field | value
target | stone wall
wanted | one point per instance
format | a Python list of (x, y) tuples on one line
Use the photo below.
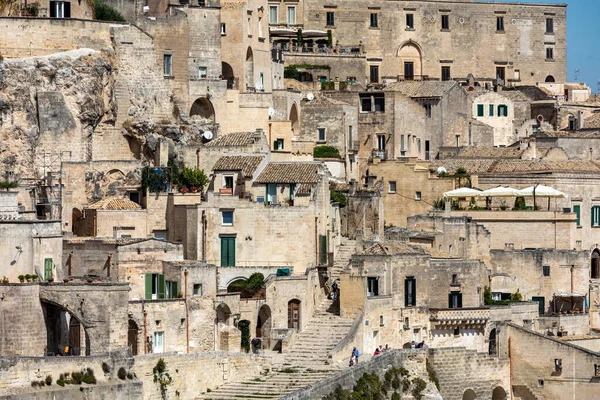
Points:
[(195, 373), (22, 328)]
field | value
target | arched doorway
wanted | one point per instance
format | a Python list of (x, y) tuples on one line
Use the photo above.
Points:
[(249, 68), (294, 119), (294, 314), (234, 286), (203, 108), (64, 330), (595, 267), (263, 325), (499, 393), (549, 79), (469, 394), (223, 315), (492, 347), (228, 74), (411, 64), (132, 337)]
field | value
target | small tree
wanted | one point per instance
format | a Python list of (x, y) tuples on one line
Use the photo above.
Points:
[(191, 177), (329, 38), (326, 152), (105, 12), (300, 38), (162, 377)]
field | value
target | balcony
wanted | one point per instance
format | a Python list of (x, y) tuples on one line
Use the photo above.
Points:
[(381, 154), (309, 48), (226, 191), (447, 318)]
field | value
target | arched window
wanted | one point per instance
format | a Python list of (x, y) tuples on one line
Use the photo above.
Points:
[(493, 348), (203, 108)]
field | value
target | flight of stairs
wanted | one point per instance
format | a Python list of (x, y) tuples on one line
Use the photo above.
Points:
[(305, 361), (342, 258), (526, 393)]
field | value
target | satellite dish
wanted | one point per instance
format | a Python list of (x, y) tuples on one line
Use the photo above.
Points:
[(441, 170), (271, 111), (259, 86), (540, 118), (208, 135), (310, 96)]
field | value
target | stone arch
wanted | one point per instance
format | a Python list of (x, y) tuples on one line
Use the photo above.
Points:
[(203, 108), (410, 53), (249, 68), (239, 279), (493, 342), (571, 122), (63, 328), (294, 118), (550, 79), (294, 314), (228, 74), (223, 315), (133, 332), (499, 393), (595, 267), (469, 394), (263, 324)]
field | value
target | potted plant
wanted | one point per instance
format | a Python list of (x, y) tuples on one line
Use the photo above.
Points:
[(184, 190), (4, 280), (34, 278), (51, 279), (65, 280), (28, 278), (21, 278), (194, 189), (90, 280)]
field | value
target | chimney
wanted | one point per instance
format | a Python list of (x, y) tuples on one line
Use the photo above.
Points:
[(581, 120), (533, 147)]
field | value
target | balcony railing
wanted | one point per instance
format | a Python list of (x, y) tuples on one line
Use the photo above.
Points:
[(459, 316), (381, 154), (226, 191), (349, 50)]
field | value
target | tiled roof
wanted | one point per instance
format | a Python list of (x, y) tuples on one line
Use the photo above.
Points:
[(421, 89), (471, 166), (592, 133), (304, 190), (246, 164), (115, 203), (321, 101), (391, 248), (490, 152), (575, 86), (233, 139), (290, 172), (531, 166), (592, 122), (514, 95)]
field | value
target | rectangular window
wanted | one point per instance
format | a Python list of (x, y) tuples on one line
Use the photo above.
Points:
[(351, 80), (546, 270), (427, 149), (227, 252), (500, 73), (197, 289), (381, 142), (330, 18), (47, 268), (410, 21), (374, 73), (596, 216), (480, 110), (155, 286), (321, 135), (427, 107), (445, 22), (291, 15), (491, 110), (278, 145), (419, 145), (503, 110), (379, 100), (455, 300), (372, 286), (549, 25), (549, 53), (223, 28), (409, 71), (365, 103), (446, 73), (410, 291), (273, 10), (401, 142), (500, 24), (517, 75), (171, 290), (228, 182), (227, 217), (60, 9), (392, 187), (418, 196), (577, 211), (158, 345), (167, 62), (408, 140), (202, 71), (374, 22)]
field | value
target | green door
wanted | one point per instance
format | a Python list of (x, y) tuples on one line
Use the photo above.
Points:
[(322, 250), (227, 252), (162, 287), (148, 285), (47, 268), (541, 304)]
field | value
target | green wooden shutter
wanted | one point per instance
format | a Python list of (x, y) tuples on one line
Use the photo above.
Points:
[(231, 252), (577, 211), (174, 291), (450, 295), (480, 110), (460, 300), (322, 249), (161, 286), (406, 303), (47, 268), (148, 284)]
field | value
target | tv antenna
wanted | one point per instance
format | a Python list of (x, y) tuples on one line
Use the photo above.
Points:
[(576, 75)]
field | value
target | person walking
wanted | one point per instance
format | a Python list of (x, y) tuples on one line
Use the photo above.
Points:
[(334, 289), (355, 354)]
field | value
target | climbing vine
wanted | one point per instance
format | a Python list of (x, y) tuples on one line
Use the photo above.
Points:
[(162, 377), (244, 326)]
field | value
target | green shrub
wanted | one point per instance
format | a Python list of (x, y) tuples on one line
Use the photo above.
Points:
[(191, 177), (519, 204), (417, 391), (432, 374), (249, 287), (405, 385), (244, 327), (326, 152), (60, 382), (122, 374), (49, 380), (338, 197), (8, 185), (129, 375), (288, 371), (396, 396), (516, 296), (76, 378), (105, 12)]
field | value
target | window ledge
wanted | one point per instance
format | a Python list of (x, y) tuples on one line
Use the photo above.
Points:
[(550, 60), (392, 192), (330, 26), (374, 28), (550, 33), (321, 141), (410, 29), (501, 32), (223, 34), (261, 39), (444, 30), (168, 77)]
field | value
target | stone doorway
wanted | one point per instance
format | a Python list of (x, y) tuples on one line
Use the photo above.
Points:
[(294, 314), (64, 333), (132, 337), (263, 325)]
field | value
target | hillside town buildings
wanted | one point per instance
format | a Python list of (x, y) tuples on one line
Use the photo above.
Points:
[(223, 199)]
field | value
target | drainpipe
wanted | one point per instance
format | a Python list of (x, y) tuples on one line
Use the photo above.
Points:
[(316, 241), (204, 225), (109, 261), (187, 314), (145, 328), (510, 367), (70, 271), (198, 159)]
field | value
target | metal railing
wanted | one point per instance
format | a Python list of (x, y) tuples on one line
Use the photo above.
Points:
[(381, 154)]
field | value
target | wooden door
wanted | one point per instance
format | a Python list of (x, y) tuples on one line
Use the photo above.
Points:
[(132, 338), (294, 314), (227, 252), (74, 337)]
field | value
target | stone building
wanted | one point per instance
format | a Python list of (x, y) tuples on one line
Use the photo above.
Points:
[(48, 9), (511, 42)]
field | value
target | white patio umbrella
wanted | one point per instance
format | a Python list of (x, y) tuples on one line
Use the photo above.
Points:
[(500, 191), (541, 191), (462, 192)]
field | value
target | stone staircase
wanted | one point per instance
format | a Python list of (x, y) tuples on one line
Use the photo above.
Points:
[(342, 260), (526, 393), (305, 362)]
